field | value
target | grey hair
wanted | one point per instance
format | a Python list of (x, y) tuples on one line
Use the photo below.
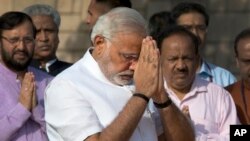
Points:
[(121, 19), (43, 9)]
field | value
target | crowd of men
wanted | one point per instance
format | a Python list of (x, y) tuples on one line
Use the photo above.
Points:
[(130, 85)]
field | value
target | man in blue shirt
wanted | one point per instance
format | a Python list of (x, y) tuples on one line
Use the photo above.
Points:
[(194, 17)]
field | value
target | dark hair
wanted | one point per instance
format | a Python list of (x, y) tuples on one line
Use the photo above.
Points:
[(243, 34), (12, 19), (173, 30), (186, 7), (116, 3), (157, 22)]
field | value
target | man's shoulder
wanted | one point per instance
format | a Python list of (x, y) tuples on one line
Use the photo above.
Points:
[(40, 75), (63, 63), (70, 74), (199, 82), (220, 71), (233, 87), (58, 66), (217, 68)]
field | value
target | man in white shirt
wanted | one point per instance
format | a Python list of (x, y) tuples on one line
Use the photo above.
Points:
[(95, 100)]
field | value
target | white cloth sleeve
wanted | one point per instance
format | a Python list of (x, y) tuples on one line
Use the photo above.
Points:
[(68, 114)]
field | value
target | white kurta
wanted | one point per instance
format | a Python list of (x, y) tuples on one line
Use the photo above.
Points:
[(80, 102)]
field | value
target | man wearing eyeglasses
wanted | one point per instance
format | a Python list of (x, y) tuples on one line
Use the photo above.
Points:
[(21, 87), (194, 17)]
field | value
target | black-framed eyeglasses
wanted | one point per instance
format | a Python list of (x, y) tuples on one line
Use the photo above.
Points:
[(16, 40)]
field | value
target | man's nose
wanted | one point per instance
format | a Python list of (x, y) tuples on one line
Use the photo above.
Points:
[(42, 36), (180, 64), (132, 65), (87, 20), (194, 31)]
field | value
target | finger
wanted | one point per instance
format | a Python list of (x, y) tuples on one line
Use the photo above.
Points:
[(27, 89), (185, 109), (150, 50), (156, 47), (142, 50), (145, 50), (27, 86), (27, 80), (161, 81), (34, 99)]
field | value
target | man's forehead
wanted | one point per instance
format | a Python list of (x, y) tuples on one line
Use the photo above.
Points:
[(191, 17), (98, 6), (25, 27)]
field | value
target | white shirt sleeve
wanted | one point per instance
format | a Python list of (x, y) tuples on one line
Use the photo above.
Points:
[(68, 114)]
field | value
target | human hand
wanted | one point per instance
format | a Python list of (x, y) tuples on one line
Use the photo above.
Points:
[(28, 93), (146, 75), (34, 99), (185, 111)]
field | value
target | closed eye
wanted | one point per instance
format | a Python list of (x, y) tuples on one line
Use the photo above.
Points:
[(129, 56)]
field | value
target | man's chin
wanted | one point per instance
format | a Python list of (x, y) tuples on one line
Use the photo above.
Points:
[(19, 65), (42, 55), (122, 82)]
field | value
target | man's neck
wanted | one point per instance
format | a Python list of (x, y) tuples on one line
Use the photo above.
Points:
[(180, 93), (20, 75), (43, 62)]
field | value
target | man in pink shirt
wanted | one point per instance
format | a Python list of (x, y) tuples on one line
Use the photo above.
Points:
[(209, 107), (21, 87)]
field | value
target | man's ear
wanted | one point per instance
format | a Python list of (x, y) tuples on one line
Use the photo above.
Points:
[(99, 39), (99, 45)]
